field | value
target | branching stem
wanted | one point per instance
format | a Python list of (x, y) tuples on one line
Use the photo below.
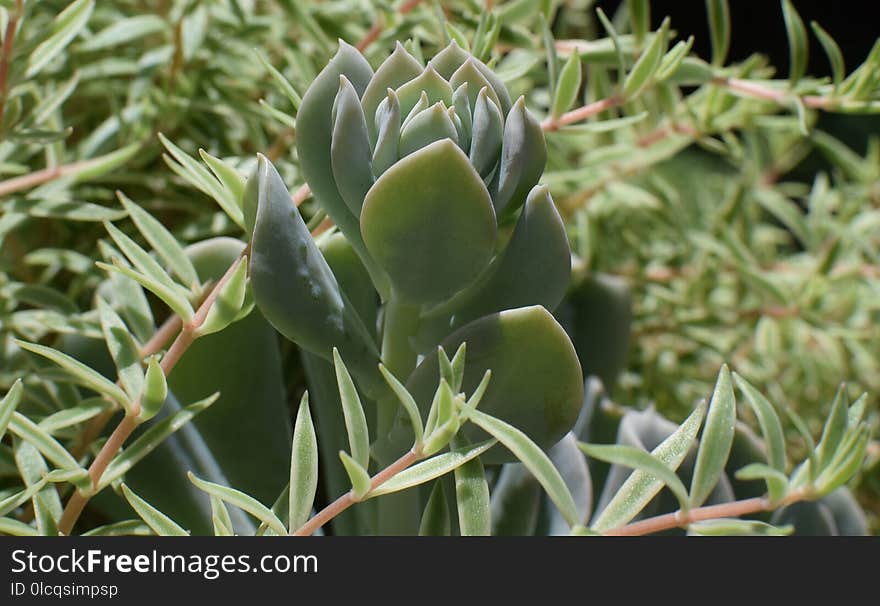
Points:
[(348, 499), (680, 519), (130, 421), (6, 54)]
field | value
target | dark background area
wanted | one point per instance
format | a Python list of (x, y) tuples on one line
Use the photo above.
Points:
[(757, 26)]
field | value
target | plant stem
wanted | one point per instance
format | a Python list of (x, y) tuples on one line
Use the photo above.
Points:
[(348, 499), (400, 321), (6, 54), (130, 421), (680, 519), (581, 113), (782, 97)]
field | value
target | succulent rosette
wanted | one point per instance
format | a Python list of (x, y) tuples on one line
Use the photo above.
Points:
[(430, 173)]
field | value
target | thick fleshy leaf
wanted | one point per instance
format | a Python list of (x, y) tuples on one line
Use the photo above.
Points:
[(399, 68), (314, 130), (716, 439), (601, 312), (421, 105), (350, 153), (516, 502), (293, 285), (428, 221), (469, 74), (352, 277), (539, 393), (428, 82), (430, 125), (487, 132), (388, 123), (462, 106), (447, 61), (523, 156), (837, 514), (534, 269)]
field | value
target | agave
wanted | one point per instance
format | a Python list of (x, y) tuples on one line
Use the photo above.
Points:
[(430, 173)]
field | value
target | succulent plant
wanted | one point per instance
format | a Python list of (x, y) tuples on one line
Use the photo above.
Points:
[(430, 174)]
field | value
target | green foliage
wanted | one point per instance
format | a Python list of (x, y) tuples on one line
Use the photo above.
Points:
[(257, 346)]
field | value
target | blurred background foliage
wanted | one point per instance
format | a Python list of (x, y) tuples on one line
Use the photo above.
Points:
[(711, 222)]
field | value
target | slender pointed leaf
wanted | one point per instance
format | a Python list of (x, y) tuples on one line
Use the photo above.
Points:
[(8, 405), (84, 375), (534, 459), (640, 487), (123, 349), (472, 499), (431, 469), (161, 524), (716, 441), (435, 518), (357, 474), (148, 441), (353, 410), (165, 244), (240, 500), (629, 456), (303, 467)]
